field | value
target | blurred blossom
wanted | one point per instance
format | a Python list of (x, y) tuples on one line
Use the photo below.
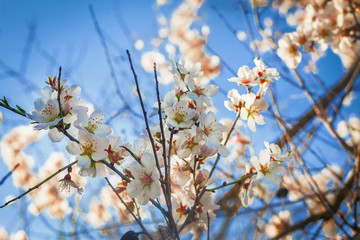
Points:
[(205, 30), (161, 2), (156, 42), (189, 41), (19, 235), (171, 50), (348, 99), (241, 35), (12, 146), (352, 128), (162, 20), (329, 228), (162, 66), (268, 22), (1, 117), (295, 19), (163, 32), (278, 223), (258, 3), (3, 233), (139, 44), (98, 214)]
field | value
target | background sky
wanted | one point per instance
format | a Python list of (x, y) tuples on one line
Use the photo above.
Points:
[(36, 37)]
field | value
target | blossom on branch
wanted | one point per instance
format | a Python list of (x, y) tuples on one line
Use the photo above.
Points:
[(252, 109), (45, 113), (146, 184), (180, 116)]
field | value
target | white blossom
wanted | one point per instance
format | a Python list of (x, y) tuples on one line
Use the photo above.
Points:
[(146, 184), (45, 113), (252, 109), (90, 148), (180, 116)]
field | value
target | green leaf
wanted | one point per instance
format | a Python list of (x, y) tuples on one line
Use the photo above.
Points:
[(5, 101), (20, 109)]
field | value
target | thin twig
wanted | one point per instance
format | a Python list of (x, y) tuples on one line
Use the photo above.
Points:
[(128, 208), (208, 223), (39, 184), (131, 153), (239, 181), (8, 174), (109, 165), (144, 113), (163, 140), (59, 93)]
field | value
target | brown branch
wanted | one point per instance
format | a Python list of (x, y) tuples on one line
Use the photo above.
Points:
[(144, 113), (324, 102), (324, 215)]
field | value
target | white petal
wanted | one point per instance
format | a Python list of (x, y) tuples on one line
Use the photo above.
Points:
[(73, 148), (155, 189), (264, 156), (83, 161), (244, 113), (251, 124), (101, 170), (244, 198), (272, 178), (55, 135), (255, 162), (134, 188)]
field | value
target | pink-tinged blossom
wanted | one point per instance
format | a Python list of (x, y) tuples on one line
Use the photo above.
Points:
[(213, 132), (245, 77), (141, 146), (66, 183), (252, 109), (45, 113), (186, 71), (189, 142), (180, 116), (93, 124), (278, 223), (288, 50), (275, 152), (266, 168), (247, 192), (67, 94), (264, 72), (90, 148), (146, 184), (199, 91), (180, 170), (237, 101), (116, 153), (202, 211)]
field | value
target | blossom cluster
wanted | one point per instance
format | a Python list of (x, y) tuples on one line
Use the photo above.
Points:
[(251, 105), (47, 198), (176, 152), (266, 166), (320, 25), (178, 33)]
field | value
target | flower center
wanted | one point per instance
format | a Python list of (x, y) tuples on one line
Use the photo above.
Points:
[(147, 180)]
